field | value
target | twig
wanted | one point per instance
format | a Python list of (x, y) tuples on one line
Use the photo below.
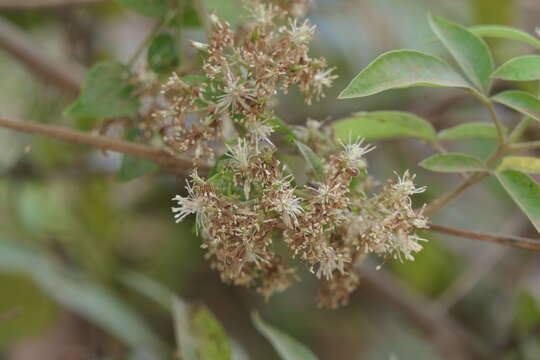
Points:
[(202, 12), (158, 155), (31, 4), (508, 240), (67, 76), (448, 335)]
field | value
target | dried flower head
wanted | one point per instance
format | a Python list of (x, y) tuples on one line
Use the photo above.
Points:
[(252, 201)]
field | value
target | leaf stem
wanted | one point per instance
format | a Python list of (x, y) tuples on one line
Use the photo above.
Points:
[(519, 129), (530, 145), (496, 121)]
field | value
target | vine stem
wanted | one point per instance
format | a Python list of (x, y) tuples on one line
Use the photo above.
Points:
[(157, 155)]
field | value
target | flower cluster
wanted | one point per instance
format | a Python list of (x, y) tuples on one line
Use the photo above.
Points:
[(252, 213), (242, 72)]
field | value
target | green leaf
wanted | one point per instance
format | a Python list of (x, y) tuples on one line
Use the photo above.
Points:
[(472, 130), (187, 346), (526, 164), (133, 167), (213, 343), (280, 126), (453, 162), (148, 287), (152, 8), (505, 32), (383, 125), (312, 159), (287, 347), (25, 310), (162, 56), (527, 312), (89, 300), (521, 101), (470, 52), (524, 191), (106, 93), (524, 68), (402, 69)]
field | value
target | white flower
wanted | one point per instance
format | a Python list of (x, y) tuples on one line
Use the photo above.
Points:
[(241, 154), (354, 153), (406, 185), (403, 244), (199, 45), (287, 204), (235, 94), (301, 33), (261, 131), (191, 204)]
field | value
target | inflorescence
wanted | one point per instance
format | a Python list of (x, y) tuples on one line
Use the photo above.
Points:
[(252, 214)]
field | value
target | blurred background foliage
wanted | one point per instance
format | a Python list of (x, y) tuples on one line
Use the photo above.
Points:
[(88, 262)]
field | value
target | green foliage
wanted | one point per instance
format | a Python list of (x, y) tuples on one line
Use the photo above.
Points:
[(213, 343), (107, 92), (526, 164), (505, 32), (469, 51), (380, 125), (87, 299), (287, 347), (311, 158), (453, 162), (523, 68), (527, 312), (472, 130), (152, 8), (133, 167), (402, 69), (520, 101), (162, 54), (524, 191), (199, 335), (30, 310)]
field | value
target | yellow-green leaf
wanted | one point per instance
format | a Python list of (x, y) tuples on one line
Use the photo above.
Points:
[(402, 69), (524, 191), (470, 51), (453, 162), (212, 341), (472, 130), (505, 32), (527, 164), (523, 68), (521, 101), (380, 125)]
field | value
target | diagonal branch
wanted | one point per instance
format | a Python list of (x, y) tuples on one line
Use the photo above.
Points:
[(508, 240), (67, 76), (158, 155), (450, 337)]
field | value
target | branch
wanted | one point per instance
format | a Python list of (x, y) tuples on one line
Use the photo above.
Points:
[(508, 240), (157, 155), (67, 76), (449, 336), (31, 4)]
